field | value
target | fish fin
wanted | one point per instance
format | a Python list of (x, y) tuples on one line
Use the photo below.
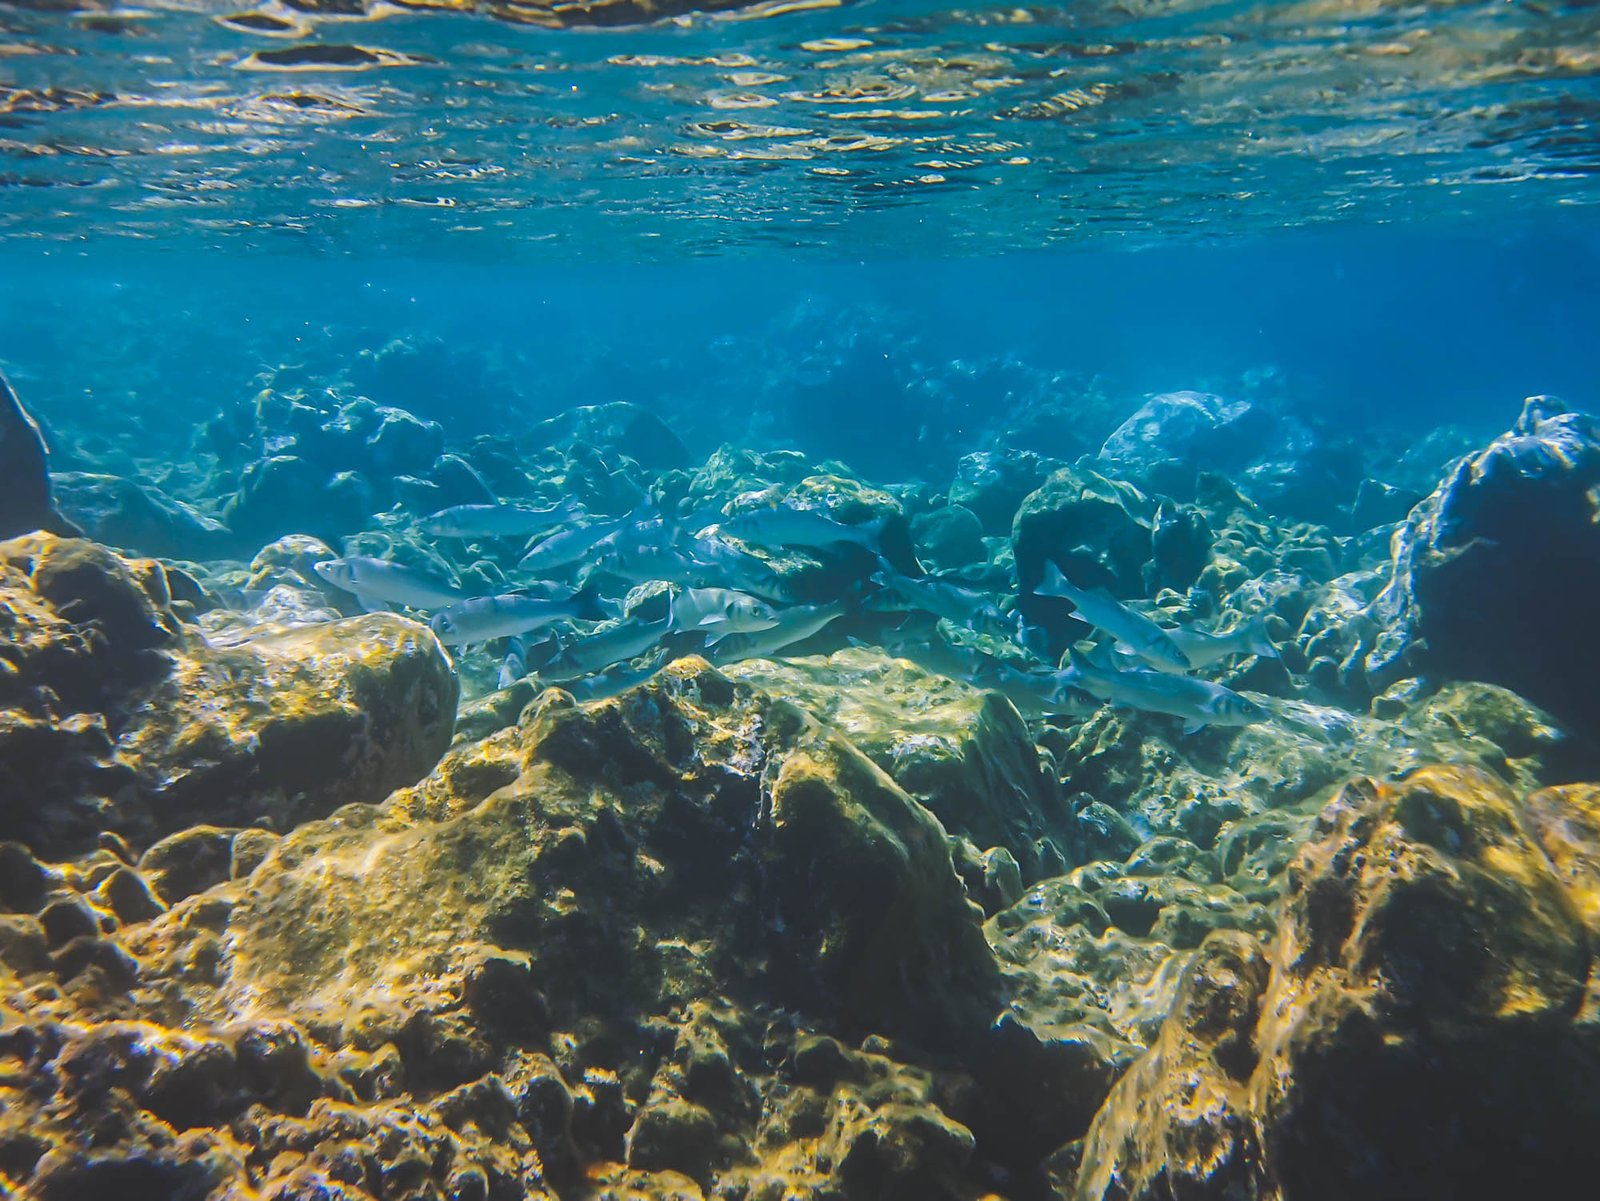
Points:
[(590, 605), (1101, 658), (1259, 641), (370, 604), (1193, 725), (1053, 583)]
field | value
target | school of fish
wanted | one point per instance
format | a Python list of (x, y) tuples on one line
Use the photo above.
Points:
[(581, 616)]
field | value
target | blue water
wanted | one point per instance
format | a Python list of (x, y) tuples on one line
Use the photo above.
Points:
[(1409, 326)]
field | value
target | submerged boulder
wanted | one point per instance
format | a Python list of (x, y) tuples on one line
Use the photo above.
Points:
[(1177, 434), (115, 716), (138, 517), (1420, 1026), (964, 754), (685, 942), (25, 503), (1495, 575), (615, 428)]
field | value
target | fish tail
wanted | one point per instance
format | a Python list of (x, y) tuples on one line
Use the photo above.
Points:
[(1258, 641), (589, 605)]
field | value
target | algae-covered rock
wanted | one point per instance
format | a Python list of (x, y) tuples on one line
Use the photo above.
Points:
[(119, 717), (963, 753), (1424, 1029), (688, 940)]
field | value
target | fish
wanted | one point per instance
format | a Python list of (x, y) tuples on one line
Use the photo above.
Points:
[(497, 521), (378, 581), (626, 640), (964, 606), (739, 568), (784, 526), (566, 546), (922, 644), (793, 625), (1198, 702), (486, 617), (721, 611), (618, 679), (515, 665), (1134, 630), (644, 553), (1202, 649), (1034, 693)]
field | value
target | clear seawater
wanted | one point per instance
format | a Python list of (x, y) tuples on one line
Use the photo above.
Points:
[(1390, 206)]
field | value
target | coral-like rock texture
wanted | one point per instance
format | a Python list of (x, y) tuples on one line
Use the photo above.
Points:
[(118, 718), (1422, 1025)]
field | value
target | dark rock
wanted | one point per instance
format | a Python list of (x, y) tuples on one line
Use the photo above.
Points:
[(126, 894), (1380, 504), (25, 503), (188, 862), (139, 517), (24, 881), (993, 484), (950, 536), (619, 428), (1495, 574), (1180, 544)]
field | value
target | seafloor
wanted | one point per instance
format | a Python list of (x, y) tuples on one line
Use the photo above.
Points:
[(298, 904)]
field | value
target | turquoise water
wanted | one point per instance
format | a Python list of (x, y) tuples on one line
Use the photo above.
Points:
[(1119, 407)]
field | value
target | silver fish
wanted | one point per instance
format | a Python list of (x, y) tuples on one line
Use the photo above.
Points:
[(378, 580), (618, 679), (1198, 702), (1103, 611), (515, 665), (964, 606), (721, 611), (497, 521), (626, 640), (1203, 649), (793, 625), (566, 546), (738, 568), (809, 528), (485, 617)]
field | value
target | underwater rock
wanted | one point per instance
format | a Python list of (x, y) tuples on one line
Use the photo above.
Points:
[(688, 941), (1494, 575), (286, 494), (994, 483), (964, 754), (139, 518), (323, 466), (1419, 1027), (1173, 436), (25, 503), (949, 536), (117, 717), (618, 427), (1095, 529)]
